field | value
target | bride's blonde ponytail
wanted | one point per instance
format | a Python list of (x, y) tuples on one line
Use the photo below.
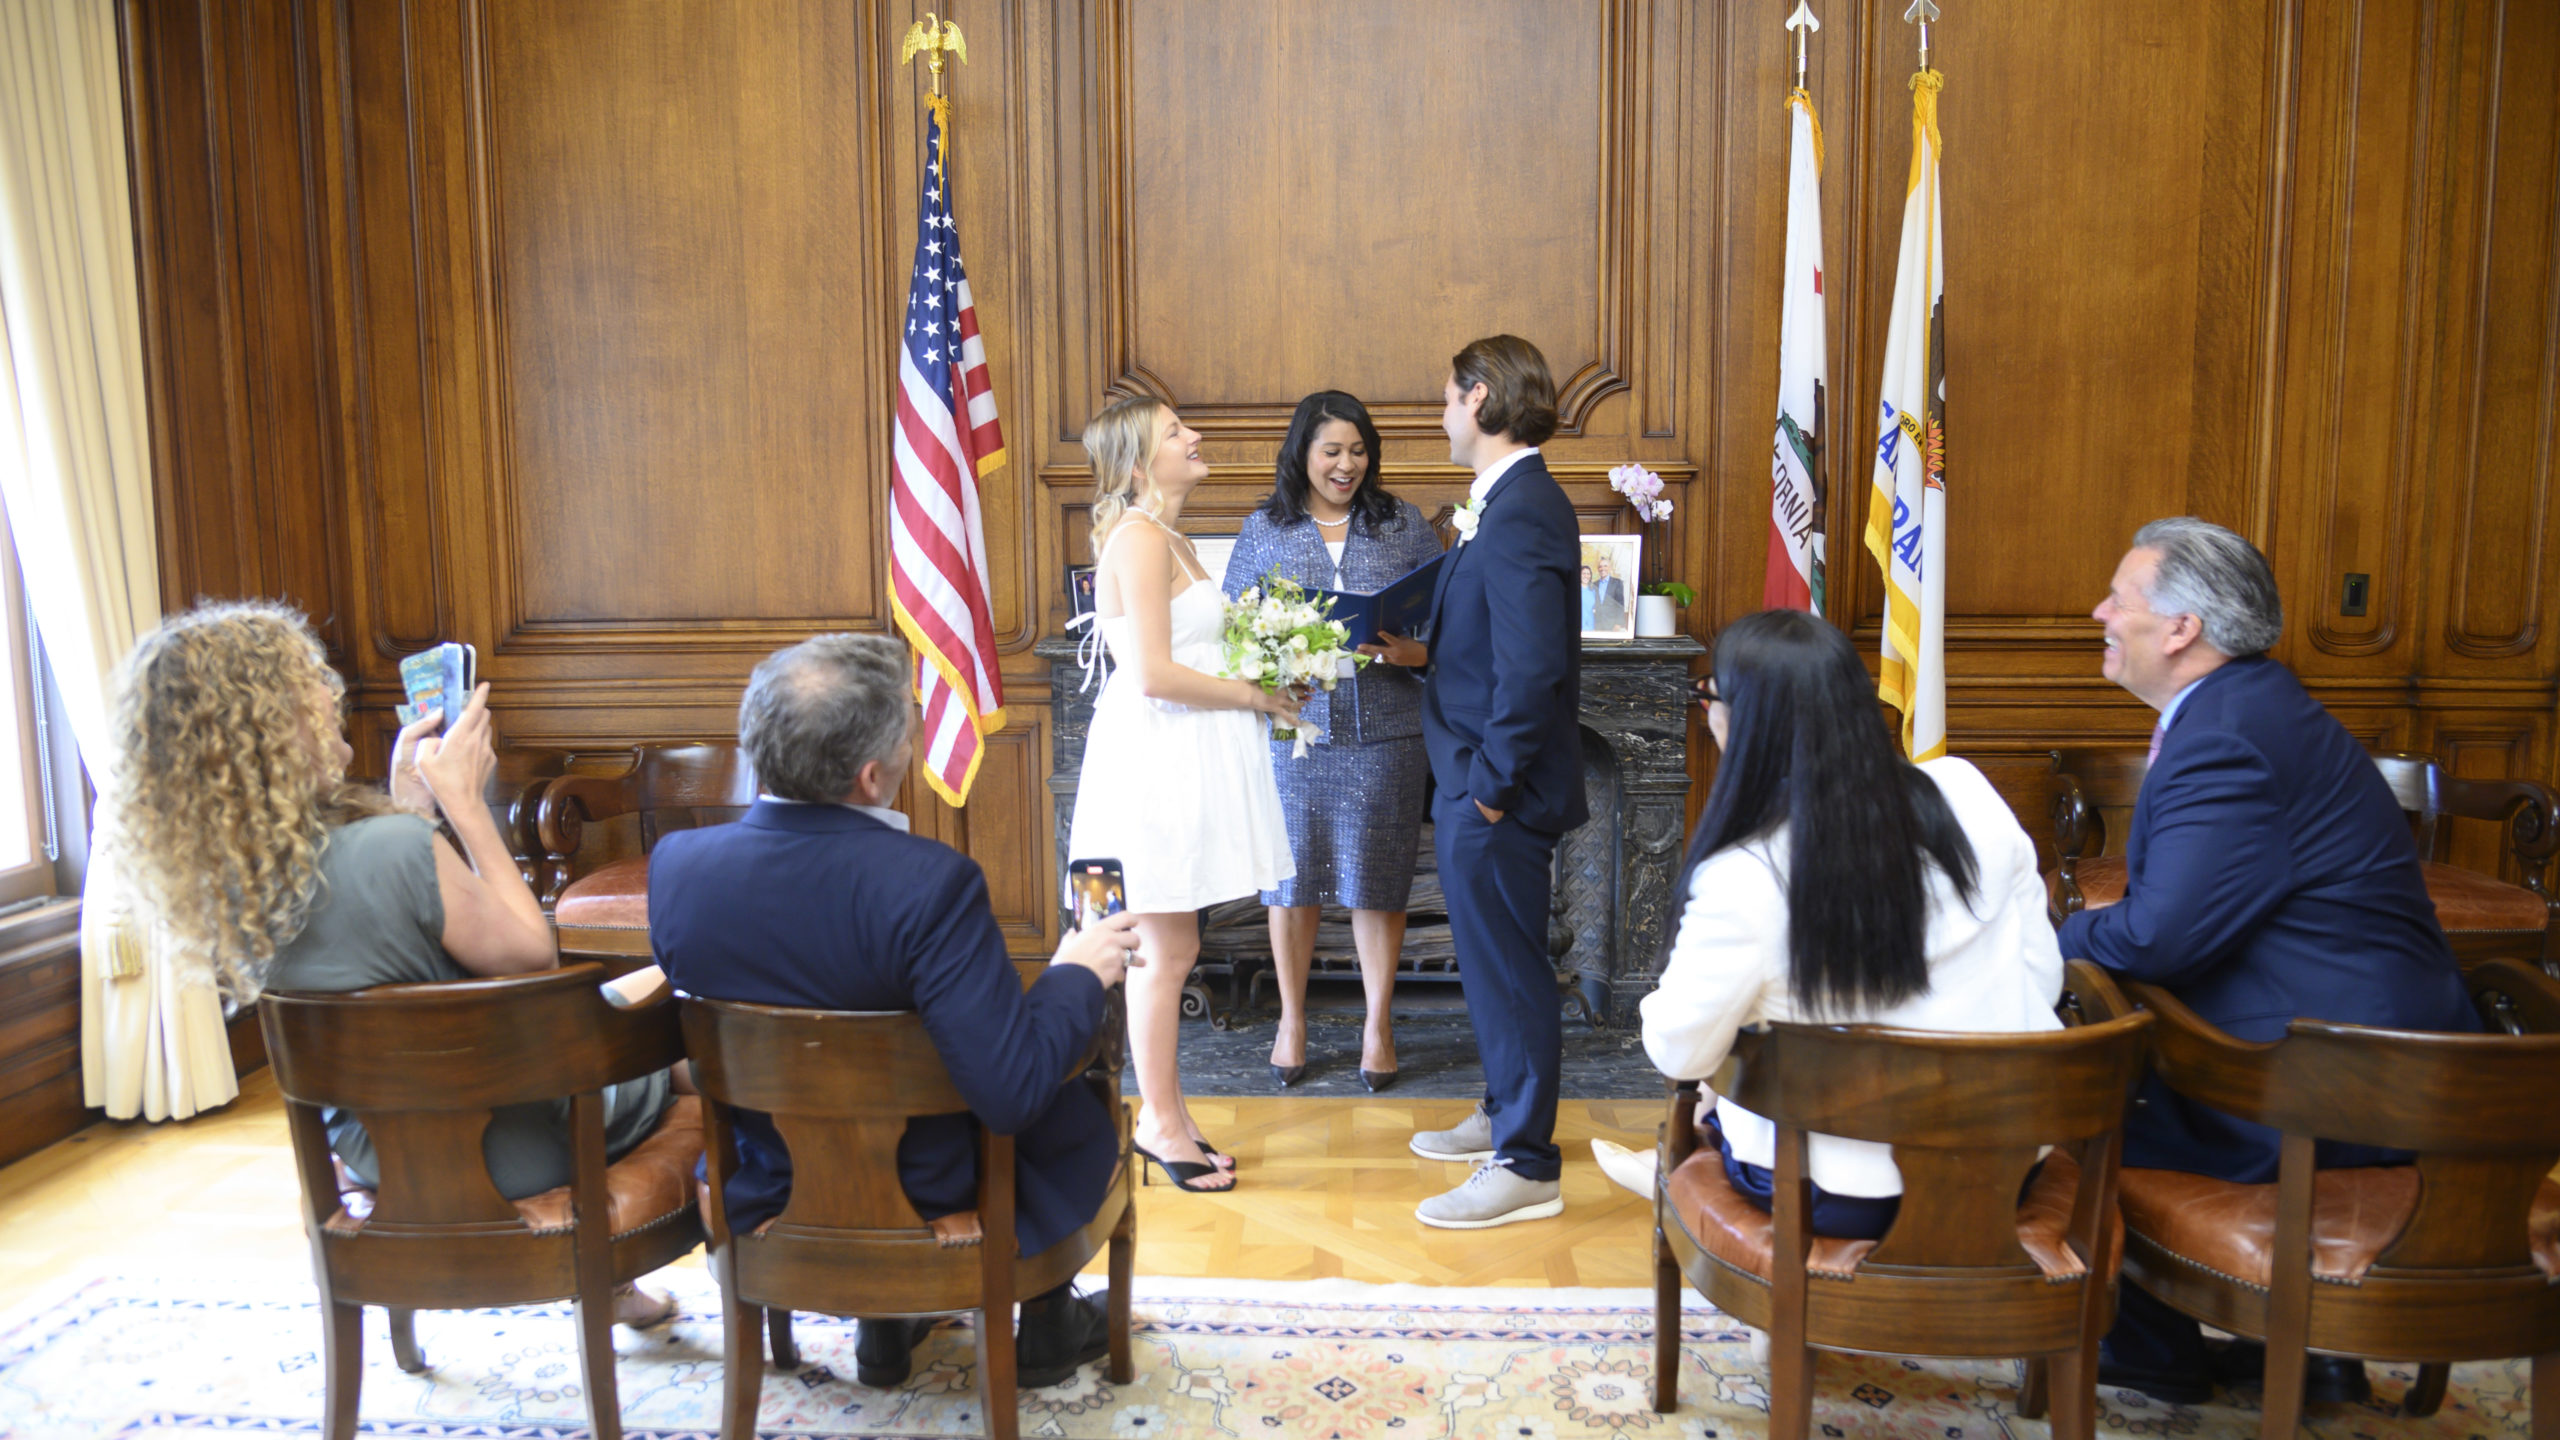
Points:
[(1118, 441)]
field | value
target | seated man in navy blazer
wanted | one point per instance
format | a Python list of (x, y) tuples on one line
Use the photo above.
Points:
[(1502, 723), (820, 898), (2269, 874)]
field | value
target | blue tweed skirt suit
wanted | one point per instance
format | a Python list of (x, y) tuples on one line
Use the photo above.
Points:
[(1354, 802)]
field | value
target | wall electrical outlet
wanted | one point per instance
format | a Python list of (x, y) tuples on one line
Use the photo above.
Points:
[(2353, 597)]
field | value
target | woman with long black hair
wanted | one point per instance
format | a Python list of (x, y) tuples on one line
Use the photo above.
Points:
[(1831, 881)]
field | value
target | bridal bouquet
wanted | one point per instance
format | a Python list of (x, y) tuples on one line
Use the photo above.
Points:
[(1277, 637)]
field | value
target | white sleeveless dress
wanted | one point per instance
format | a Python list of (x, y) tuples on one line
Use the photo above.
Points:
[(1183, 798)]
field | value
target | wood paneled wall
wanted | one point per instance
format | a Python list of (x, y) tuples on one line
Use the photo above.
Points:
[(567, 330)]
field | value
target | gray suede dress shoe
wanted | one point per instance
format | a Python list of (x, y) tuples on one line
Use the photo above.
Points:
[(1492, 1196), (1471, 1140)]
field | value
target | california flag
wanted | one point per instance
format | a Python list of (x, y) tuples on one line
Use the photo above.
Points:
[(1907, 513), (1794, 578)]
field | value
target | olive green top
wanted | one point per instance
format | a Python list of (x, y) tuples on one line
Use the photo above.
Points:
[(378, 919)]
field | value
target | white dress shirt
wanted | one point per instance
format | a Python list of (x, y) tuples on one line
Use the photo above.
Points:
[(894, 819), (1483, 484), (1993, 966)]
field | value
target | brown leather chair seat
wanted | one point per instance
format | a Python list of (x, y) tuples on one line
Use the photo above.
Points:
[(1743, 1235), (2230, 1229), (651, 1186), (2467, 902), (606, 912)]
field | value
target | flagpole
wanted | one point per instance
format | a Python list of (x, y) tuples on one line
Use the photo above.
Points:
[(935, 39), (1920, 14)]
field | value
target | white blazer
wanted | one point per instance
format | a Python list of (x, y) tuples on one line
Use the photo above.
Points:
[(1993, 966)]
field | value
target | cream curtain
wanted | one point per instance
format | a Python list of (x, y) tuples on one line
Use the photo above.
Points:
[(75, 474)]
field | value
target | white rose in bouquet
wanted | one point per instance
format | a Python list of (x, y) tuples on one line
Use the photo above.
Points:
[(1277, 637)]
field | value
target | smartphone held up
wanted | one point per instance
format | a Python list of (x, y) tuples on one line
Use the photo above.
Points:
[(1095, 889)]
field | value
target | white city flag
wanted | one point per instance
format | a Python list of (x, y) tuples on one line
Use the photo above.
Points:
[(1907, 511), (1794, 576)]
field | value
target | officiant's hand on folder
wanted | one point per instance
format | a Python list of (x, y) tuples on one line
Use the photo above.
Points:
[(1399, 650), (1390, 614)]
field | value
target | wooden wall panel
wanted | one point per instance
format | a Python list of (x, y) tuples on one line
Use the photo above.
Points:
[(567, 330), (1291, 246), (2355, 341), (2102, 322), (680, 245), (2502, 362), (236, 330)]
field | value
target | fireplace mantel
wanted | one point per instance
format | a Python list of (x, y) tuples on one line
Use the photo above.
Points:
[(1613, 876)]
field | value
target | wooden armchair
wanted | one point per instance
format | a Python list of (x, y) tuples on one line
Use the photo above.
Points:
[(605, 913), (1969, 1268), (2482, 916), (2454, 1258), (515, 800), (424, 1065), (839, 1087)]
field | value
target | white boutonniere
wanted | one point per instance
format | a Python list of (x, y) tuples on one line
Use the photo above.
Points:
[(1467, 518)]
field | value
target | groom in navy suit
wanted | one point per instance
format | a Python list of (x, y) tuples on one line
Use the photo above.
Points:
[(1501, 715)]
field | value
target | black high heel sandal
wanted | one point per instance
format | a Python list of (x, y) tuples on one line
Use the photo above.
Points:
[(1378, 1080), (1180, 1172), (1288, 1075)]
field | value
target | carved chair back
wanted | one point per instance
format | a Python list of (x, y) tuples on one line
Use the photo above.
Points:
[(838, 1087), (668, 787), (1965, 1115), (424, 1066)]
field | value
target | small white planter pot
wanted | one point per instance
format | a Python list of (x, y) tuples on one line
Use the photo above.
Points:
[(1656, 617)]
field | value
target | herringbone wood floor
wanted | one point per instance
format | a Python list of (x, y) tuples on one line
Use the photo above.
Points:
[(1329, 1190)]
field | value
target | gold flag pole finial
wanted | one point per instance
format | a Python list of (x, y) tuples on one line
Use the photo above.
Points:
[(1803, 23), (934, 38), (1920, 14)]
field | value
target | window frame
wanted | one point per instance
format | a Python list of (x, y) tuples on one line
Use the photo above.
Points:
[(36, 879)]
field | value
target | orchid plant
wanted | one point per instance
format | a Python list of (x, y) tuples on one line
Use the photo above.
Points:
[(1643, 490)]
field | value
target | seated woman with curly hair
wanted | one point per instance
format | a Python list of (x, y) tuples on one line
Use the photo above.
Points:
[(242, 830)]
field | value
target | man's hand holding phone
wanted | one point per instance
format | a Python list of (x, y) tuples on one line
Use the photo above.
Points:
[(1106, 946)]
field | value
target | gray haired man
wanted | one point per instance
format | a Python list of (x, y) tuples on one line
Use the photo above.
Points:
[(2269, 875), (820, 898)]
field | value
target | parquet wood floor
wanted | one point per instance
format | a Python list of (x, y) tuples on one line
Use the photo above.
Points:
[(1328, 1191)]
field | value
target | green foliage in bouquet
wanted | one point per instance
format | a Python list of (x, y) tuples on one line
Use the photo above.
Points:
[(1276, 636)]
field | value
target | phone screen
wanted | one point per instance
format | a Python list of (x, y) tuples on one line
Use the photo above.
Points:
[(1094, 890)]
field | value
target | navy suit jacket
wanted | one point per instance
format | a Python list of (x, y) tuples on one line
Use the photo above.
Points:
[(2269, 874), (1502, 707), (824, 907)]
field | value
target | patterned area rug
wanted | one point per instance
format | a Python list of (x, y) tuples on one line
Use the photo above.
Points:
[(132, 1356)]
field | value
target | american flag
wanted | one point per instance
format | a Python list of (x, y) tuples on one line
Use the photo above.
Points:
[(946, 438)]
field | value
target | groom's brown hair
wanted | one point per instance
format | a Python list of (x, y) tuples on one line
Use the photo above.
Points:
[(1519, 394)]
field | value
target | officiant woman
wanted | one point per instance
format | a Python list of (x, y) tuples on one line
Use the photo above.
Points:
[(1354, 802)]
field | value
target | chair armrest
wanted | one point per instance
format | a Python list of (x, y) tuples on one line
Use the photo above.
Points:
[(2090, 996), (2531, 813), (2078, 829), (2202, 1063), (2515, 997), (1679, 1124), (570, 801)]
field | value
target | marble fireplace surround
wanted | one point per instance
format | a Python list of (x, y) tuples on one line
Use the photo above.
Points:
[(1613, 875)]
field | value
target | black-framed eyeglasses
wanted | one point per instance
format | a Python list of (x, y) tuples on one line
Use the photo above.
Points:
[(1703, 690)]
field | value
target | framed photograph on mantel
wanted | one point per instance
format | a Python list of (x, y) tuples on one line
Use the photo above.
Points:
[(1607, 586)]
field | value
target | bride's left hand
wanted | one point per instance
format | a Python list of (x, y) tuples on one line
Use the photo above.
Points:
[(1281, 705)]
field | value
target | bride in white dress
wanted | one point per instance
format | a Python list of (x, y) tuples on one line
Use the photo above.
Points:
[(1177, 782)]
